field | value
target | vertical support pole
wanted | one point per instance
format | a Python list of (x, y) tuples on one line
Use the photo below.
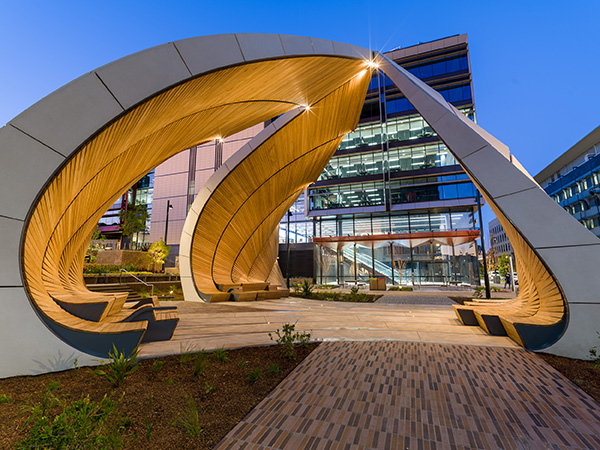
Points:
[(485, 271), (392, 258), (287, 266), (355, 265), (169, 206), (512, 271)]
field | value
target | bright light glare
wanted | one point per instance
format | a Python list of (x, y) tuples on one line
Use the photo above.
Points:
[(306, 107), (372, 64)]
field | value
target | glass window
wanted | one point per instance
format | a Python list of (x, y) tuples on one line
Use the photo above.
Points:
[(462, 220), (400, 223), (440, 221), (419, 223), (381, 224)]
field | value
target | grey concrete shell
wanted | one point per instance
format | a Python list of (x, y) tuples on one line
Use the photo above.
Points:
[(39, 142)]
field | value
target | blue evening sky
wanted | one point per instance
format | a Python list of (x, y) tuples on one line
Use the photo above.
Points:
[(535, 64)]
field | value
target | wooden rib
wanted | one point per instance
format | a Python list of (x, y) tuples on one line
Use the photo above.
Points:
[(217, 104), (241, 214), (540, 300)]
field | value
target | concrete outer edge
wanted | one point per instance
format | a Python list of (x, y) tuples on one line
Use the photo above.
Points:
[(190, 292), (38, 142), (550, 231)]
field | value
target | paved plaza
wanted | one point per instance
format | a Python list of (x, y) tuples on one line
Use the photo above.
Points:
[(412, 395), (233, 325), (398, 374)]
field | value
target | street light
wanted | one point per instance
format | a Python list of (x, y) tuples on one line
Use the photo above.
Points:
[(169, 206)]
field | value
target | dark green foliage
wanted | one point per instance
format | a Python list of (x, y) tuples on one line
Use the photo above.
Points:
[(134, 219), (594, 356), (200, 363), (273, 369), (221, 354), (189, 418), (55, 423), (157, 365), (208, 388), (286, 338), (254, 375), (118, 366), (4, 398)]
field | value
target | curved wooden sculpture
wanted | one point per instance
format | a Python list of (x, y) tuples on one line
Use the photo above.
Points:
[(227, 238), (73, 154), (66, 159), (552, 250)]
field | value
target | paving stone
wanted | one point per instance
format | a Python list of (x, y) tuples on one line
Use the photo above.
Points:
[(410, 395)]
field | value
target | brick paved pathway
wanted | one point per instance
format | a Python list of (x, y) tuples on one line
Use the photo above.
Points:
[(400, 395)]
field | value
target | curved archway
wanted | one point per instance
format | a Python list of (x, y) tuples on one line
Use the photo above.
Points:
[(68, 157)]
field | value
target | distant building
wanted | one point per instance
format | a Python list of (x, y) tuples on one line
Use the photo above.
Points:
[(392, 202), (499, 243), (573, 181), (110, 223)]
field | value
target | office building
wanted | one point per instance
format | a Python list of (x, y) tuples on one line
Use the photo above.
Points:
[(499, 243), (573, 181), (393, 202)]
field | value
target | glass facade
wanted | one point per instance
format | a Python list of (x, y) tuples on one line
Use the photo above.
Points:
[(393, 202), (578, 192)]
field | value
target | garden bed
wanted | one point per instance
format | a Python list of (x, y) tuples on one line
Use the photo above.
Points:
[(154, 402)]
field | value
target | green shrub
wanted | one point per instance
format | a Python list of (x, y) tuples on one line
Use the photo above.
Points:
[(5, 398), (286, 338), (273, 369), (187, 351), (304, 289), (254, 375), (81, 424), (594, 356), (208, 388), (221, 354), (170, 382), (200, 363), (189, 418), (118, 366), (157, 365)]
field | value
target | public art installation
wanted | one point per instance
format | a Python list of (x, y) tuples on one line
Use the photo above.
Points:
[(66, 159)]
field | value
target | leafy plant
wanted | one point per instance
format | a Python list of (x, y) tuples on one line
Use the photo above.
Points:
[(5, 398), (594, 356), (244, 363), (170, 381), (52, 385), (286, 338), (304, 289), (254, 375), (273, 369), (189, 418), (159, 251), (149, 428), (133, 219), (186, 352), (354, 290), (208, 388), (221, 354), (157, 365), (118, 366), (200, 363), (80, 424)]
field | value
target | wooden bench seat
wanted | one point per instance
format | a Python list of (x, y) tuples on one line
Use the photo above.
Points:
[(530, 321)]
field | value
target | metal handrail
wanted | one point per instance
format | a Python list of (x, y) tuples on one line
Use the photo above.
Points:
[(140, 280)]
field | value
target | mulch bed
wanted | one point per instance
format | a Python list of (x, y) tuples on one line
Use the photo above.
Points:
[(158, 398), (582, 373)]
